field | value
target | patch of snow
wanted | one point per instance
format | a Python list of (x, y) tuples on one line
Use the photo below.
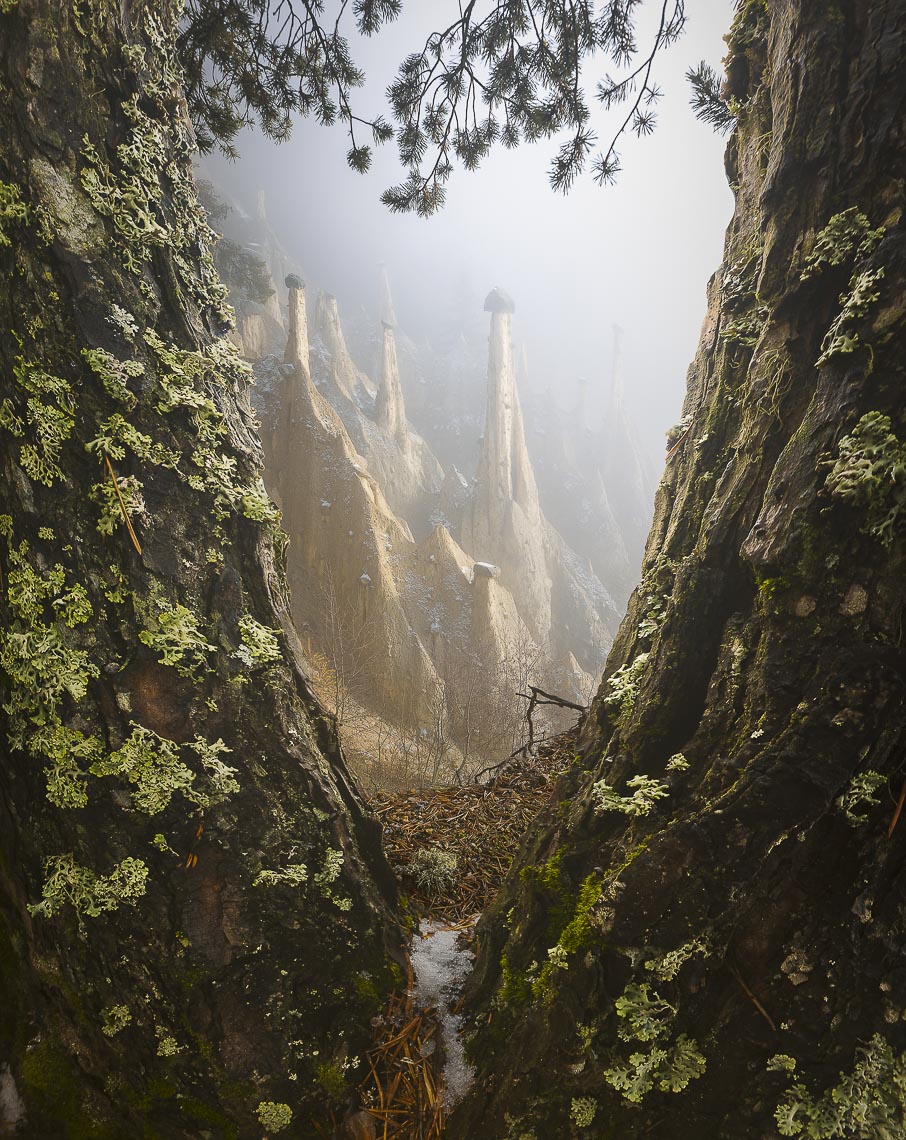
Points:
[(440, 966), (12, 1107), (486, 570)]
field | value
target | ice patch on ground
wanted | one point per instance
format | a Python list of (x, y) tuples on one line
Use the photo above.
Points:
[(440, 966), (12, 1107)]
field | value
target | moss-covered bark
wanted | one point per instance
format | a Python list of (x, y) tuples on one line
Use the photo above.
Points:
[(709, 926), (194, 909)]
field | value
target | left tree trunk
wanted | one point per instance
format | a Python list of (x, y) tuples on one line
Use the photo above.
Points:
[(195, 914)]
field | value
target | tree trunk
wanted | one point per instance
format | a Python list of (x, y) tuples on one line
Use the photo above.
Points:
[(195, 914), (662, 940)]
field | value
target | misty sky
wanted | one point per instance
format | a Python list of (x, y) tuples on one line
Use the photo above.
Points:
[(638, 254)]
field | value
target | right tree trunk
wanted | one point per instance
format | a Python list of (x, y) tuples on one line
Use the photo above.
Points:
[(716, 886)]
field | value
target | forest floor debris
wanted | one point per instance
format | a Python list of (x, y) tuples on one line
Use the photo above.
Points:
[(481, 825), (417, 1069), (402, 1095)]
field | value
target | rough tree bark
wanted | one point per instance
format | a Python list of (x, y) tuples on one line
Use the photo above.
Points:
[(195, 913), (715, 885)]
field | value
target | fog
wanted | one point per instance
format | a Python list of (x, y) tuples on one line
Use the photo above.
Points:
[(637, 254)]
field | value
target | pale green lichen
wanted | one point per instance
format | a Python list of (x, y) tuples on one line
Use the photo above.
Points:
[(9, 420), (151, 764), (66, 881), (115, 1018), (176, 638), (433, 870), (861, 794), (110, 515), (274, 1116), (259, 643), (167, 1045), (329, 873), (222, 777), (67, 750), (50, 414), (114, 374), (669, 1068), (855, 304), (123, 320), (293, 875), (13, 211), (870, 1101), (646, 793), (870, 471), (256, 505), (582, 1111), (669, 965), (677, 763), (116, 437), (745, 328), (643, 1011), (41, 666), (623, 686), (846, 236), (646, 1017)]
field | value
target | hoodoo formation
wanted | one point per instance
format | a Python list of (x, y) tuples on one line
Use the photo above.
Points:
[(375, 524)]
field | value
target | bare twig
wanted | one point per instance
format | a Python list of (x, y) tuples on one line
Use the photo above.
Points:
[(122, 503), (753, 999), (899, 811)]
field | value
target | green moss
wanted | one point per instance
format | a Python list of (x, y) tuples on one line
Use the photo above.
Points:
[(579, 932), (769, 588), (204, 1114), (365, 987), (54, 1093), (331, 1078), (515, 988), (546, 880)]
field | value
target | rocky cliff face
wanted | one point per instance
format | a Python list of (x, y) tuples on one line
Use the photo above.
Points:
[(705, 934), (195, 914)]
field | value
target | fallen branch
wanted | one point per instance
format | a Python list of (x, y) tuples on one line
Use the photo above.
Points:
[(753, 999), (898, 812)]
